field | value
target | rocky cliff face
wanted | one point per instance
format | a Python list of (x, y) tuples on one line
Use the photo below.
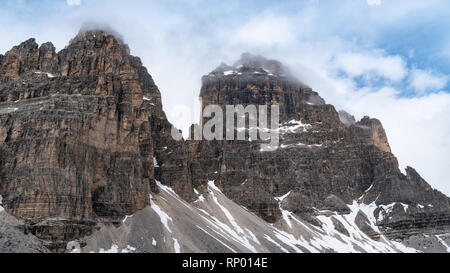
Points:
[(84, 142), (326, 160), (77, 135)]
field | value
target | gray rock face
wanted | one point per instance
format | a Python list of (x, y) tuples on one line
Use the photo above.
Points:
[(323, 162), (14, 240), (346, 118), (215, 224), (434, 243), (76, 137), (84, 142)]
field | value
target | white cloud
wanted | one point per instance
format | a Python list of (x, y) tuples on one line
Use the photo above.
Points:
[(73, 2), (266, 30), (372, 65), (373, 2), (426, 80), (417, 129)]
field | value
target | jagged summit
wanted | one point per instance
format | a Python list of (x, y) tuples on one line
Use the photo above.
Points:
[(25, 45), (98, 37), (99, 29), (258, 62), (250, 65), (93, 50), (259, 81), (85, 143), (99, 102)]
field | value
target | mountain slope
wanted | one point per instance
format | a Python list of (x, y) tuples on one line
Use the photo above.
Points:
[(213, 223), (77, 137), (84, 142)]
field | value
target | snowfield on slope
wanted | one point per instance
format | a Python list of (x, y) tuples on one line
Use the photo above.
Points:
[(214, 223), (1, 208)]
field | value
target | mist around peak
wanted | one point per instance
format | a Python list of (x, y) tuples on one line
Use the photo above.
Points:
[(97, 29), (250, 64)]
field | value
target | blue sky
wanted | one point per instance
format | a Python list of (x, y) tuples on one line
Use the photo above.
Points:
[(389, 59)]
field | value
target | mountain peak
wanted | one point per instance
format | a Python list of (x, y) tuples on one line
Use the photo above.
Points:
[(100, 30), (92, 117), (259, 62), (254, 65), (97, 38), (24, 47)]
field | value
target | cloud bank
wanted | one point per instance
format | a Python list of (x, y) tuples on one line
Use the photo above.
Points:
[(426, 80), (73, 2)]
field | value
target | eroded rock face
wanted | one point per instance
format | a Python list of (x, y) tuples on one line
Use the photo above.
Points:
[(84, 142), (77, 137), (14, 240), (326, 159)]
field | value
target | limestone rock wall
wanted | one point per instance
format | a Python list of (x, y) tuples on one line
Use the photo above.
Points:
[(84, 141), (78, 135)]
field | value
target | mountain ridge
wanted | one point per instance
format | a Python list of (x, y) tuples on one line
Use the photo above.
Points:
[(85, 144)]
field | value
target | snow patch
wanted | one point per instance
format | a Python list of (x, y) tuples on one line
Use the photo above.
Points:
[(126, 218), (405, 207), (288, 239), (165, 218), (114, 249), (371, 187), (286, 216), (200, 199), (165, 188), (356, 237), (252, 236), (283, 197), (229, 72), (228, 215), (302, 145), (1, 208), (48, 74), (213, 186), (176, 246), (236, 232), (294, 126), (443, 242), (8, 110), (129, 249), (268, 148), (387, 209)]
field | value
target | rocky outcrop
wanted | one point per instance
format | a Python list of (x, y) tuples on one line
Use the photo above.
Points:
[(78, 130), (374, 133), (346, 118), (325, 160), (13, 239), (84, 143)]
